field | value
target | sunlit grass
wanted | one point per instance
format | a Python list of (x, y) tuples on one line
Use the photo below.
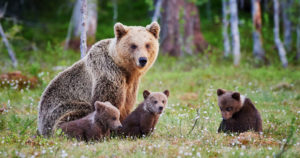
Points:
[(192, 82)]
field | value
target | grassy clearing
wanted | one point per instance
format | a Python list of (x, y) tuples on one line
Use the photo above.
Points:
[(192, 82)]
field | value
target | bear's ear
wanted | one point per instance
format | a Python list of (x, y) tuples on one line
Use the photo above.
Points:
[(220, 92), (167, 93), (236, 96), (154, 29), (120, 30), (100, 106), (146, 93)]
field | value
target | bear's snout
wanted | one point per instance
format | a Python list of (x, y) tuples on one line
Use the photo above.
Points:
[(142, 61), (161, 108)]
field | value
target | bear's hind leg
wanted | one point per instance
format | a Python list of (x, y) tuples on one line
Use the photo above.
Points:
[(66, 112)]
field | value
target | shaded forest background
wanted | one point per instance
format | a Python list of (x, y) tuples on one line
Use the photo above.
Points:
[(34, 26)]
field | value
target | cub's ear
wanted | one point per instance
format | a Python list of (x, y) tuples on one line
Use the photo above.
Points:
[(120, 30), (154, 28), (146, 93), (100, 106), (220, 92), (236, 95), (167, 93)]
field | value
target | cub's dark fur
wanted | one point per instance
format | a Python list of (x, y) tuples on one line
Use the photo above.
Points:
[(142, 120), (239, 113), (96, 125)]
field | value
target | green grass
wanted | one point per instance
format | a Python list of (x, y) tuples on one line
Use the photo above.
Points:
[(192, 82)]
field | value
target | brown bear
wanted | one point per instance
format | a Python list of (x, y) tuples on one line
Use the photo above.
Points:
[(110, 71), (238, 112), (96, 125), (142, 120)]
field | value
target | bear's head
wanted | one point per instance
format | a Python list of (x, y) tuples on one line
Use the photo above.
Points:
[(107, 115), (229, 103), (135, 47), (155, 102)]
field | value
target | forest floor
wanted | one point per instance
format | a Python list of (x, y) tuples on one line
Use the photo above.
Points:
[(192, 82)]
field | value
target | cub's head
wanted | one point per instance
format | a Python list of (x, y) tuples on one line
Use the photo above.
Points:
[(136, 47), (229, 102), (155, 102), (107, 115)]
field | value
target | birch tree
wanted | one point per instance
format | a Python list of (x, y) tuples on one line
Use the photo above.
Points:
[(74, 29), (115, 4), (226, 40), (298, 40), (5, 40), (83, 10), (279, 45), (258, 50), (287, 24), (235, 32), (156, 14)]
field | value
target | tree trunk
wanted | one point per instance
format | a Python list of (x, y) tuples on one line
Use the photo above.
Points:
[(258, 50), (115, 4), (208, 10), (235, 32), (298, 40), (287, 24), (9, 49), (83, 10), (74, 30), (279, 45), (242, 4), (156, 14), (181, 28), (225, 13)]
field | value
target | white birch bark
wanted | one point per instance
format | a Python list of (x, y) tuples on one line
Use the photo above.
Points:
[(298, 40), (115, 4), (235, 32), (9, 48), (74, 28), (83, 10), (287, 24), (258, 50), (226, 39), (279, 45), (156, 14)]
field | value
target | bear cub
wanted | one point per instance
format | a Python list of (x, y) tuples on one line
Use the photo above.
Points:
[(96, 125), (142, 120), (238, 112)]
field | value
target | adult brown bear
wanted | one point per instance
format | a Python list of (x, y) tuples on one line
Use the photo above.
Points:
[(111, 71)]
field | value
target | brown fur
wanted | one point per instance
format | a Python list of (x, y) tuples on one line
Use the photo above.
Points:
[(142, 121), (96, 125), (239, 113), (111, 71)]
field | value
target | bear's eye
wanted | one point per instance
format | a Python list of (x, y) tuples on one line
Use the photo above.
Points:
[(133, 46), (229, 109), (114, 118), (155, 102), (147, 46)]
